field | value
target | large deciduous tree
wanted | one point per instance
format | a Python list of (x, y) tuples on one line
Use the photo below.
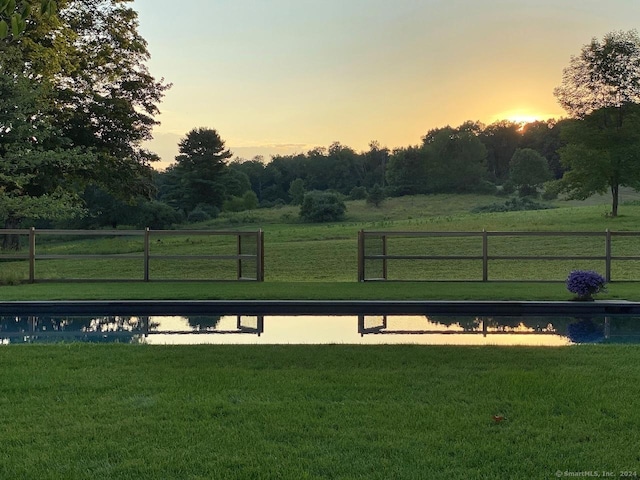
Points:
[(95, 96), (110, 99), (601, 88)]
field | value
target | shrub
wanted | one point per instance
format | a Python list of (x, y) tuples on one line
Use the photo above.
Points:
[(233, 204), (506, 189), (277, 203), (322, 207), (484, 187), (358, 193), (198, 215), (375, 196), (157, 215), (527, 191), (551, 190), (512, 205), (250, 200), (211, 210), (585, 283), (296, 191)]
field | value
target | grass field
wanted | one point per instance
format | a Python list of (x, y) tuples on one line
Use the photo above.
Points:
[(404, 412)]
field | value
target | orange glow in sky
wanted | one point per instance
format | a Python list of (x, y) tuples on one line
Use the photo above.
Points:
[(284, 76)]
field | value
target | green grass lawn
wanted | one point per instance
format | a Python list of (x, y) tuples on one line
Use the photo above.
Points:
[(307, 291), (316, 412)]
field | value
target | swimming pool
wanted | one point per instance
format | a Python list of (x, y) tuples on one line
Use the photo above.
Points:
[(321, 322)]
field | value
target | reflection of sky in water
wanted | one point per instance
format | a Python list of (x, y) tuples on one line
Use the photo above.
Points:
[(344, 330)]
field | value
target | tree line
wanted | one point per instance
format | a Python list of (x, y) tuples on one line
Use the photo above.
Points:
[(468, 158)]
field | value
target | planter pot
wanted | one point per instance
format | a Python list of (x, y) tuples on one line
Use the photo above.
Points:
[(583, 299)]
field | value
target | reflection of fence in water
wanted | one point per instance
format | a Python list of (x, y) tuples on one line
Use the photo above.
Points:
[(512, 256), (140, 254), (210, 324), (451, 325)]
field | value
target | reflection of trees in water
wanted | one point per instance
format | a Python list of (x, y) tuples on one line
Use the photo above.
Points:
[(500, 324), (577, 329), (204, 323), (30, 329)]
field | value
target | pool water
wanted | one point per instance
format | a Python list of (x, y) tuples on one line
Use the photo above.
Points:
[(321, 329)]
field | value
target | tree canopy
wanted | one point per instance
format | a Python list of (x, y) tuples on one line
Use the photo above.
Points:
[(197, 176), (605, 74), (14, 15), (79, 101), (601, 88)]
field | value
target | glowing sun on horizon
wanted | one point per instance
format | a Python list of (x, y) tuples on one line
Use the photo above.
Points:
[(522, 118)]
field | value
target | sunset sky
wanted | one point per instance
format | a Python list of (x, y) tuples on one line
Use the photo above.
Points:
[(284, 76)]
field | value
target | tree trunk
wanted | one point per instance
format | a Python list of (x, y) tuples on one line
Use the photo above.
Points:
[(10, 241), (615, 193)]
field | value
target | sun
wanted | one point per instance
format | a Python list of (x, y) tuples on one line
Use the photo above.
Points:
[(519, 115), (522, 118)]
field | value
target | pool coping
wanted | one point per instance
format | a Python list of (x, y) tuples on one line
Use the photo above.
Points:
[(319, 307)]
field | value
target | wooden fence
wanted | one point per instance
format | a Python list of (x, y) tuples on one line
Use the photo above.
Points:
[(383, 241), (247, 257)]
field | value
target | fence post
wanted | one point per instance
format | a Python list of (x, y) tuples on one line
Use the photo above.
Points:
[(607, 254), (32, 255), (147, 234), (361, 256), (239, 262), (384, 258), (260, 256), (485, 255)]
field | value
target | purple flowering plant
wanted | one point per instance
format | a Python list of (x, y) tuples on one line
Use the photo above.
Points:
[(585, 283)]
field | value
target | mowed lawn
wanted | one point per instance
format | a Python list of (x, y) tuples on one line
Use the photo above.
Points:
[(317, 412)]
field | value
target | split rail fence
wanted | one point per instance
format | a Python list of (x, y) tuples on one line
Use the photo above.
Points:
[(239, 255), (379, 251)]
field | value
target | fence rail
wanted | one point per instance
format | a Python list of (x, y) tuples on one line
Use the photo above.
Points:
[(386, 238), (252, 240)]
